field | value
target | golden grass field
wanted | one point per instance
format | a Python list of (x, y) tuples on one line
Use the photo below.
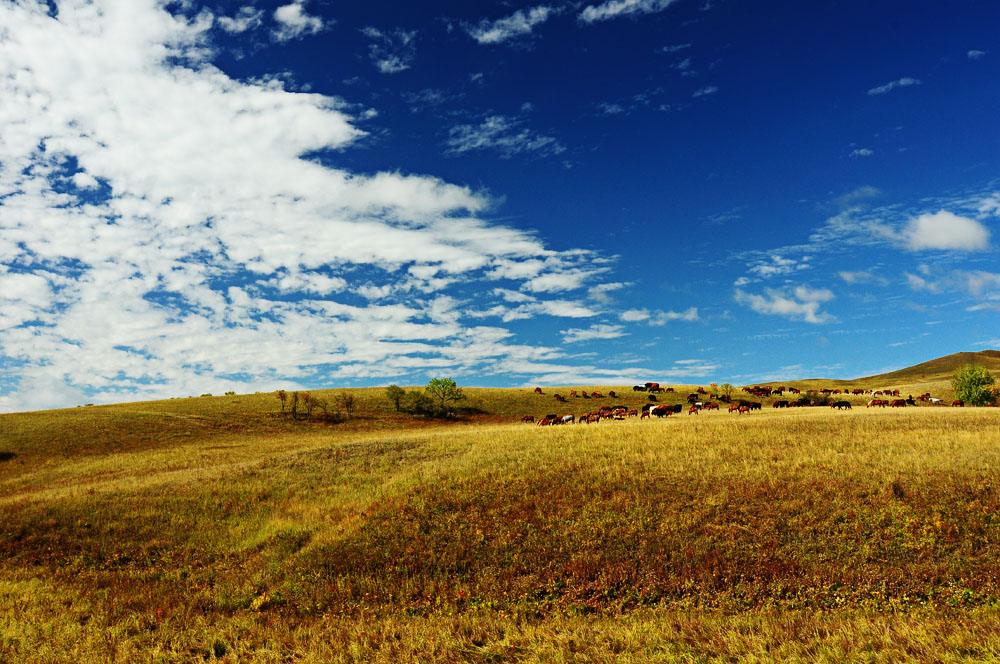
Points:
[(214, 528)]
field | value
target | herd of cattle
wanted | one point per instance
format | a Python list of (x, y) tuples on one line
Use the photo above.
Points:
[(697, 402)]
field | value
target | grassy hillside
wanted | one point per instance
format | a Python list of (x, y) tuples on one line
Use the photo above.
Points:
[(216, 528), (940, 369)]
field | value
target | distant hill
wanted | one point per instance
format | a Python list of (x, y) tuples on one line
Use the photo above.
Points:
[(940, 369)]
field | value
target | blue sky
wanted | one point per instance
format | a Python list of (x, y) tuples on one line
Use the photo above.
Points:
[(211, 196)]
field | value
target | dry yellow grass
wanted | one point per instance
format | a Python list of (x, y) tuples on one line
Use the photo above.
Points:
[(209, 528)]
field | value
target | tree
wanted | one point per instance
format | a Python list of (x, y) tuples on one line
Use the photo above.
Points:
[(727, 389), (346, 401), (395, 394), (444, 390), (282, 397), (973, 384), (419, 403)]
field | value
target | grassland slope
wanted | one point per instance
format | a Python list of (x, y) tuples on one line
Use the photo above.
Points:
[(214, 527)]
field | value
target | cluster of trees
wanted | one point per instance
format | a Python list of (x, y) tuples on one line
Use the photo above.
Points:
[(304, 404), (437, 398), (975, 385)]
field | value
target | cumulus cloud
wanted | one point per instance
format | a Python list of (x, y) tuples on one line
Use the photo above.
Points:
[(574, 335), (904, 82), (616, 8), (945, 230), (294, 22), (705, 91), (391, 51), (975, 54), (503, 135), (160, 234), (518, 24), (862, 152), (802, 303)]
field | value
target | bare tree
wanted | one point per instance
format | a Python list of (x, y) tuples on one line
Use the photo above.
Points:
[(282, 397), (346, 401)]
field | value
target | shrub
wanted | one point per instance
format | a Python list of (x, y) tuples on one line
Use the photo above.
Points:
[(419, 403), (395, 394), (973, 384)]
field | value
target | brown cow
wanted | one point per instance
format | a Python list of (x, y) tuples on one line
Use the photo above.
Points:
[(897, 403), (958, 403), (527, 419), (538, 390), (693, 410), (744, 409)]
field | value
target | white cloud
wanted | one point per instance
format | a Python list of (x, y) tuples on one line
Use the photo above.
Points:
[(663, 317), (803, 304), (975, 54), (904, 82), (615, 8), (392, 51), (247, 18), (945, 230), (862, 152), (659, 318), (518, 24), (863, 277), (503, 135), (634, 315), (705, 91), (294, 22), (675, 48), (210, 256), (574, 335)]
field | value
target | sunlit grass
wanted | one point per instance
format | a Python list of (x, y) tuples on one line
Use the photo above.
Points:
[(804, 535)]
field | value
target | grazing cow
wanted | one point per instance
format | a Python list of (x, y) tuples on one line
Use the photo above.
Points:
[(712, 406), (692, 397), (597, 395), (693, 410), (638, 388), (733, 407), (668, 389), (644, 415), (744, 410), (755, 405), (612, 394), (661, 411), (841, 405), (560, 398), (584, 394), (882, 403), (897, 403), (538, 390), (573, 393), (544, 422), (933, 400), (780, 404), (958, 403), (567, 419), (633, 413), (528, 419)]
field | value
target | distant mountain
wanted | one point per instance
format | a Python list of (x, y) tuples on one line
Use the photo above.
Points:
[(940, 369)]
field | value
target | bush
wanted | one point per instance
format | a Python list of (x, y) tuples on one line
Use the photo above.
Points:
[(973, 384), (419, 403)]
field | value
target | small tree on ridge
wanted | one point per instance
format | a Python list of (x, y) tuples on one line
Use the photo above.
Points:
[(973, 384)]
